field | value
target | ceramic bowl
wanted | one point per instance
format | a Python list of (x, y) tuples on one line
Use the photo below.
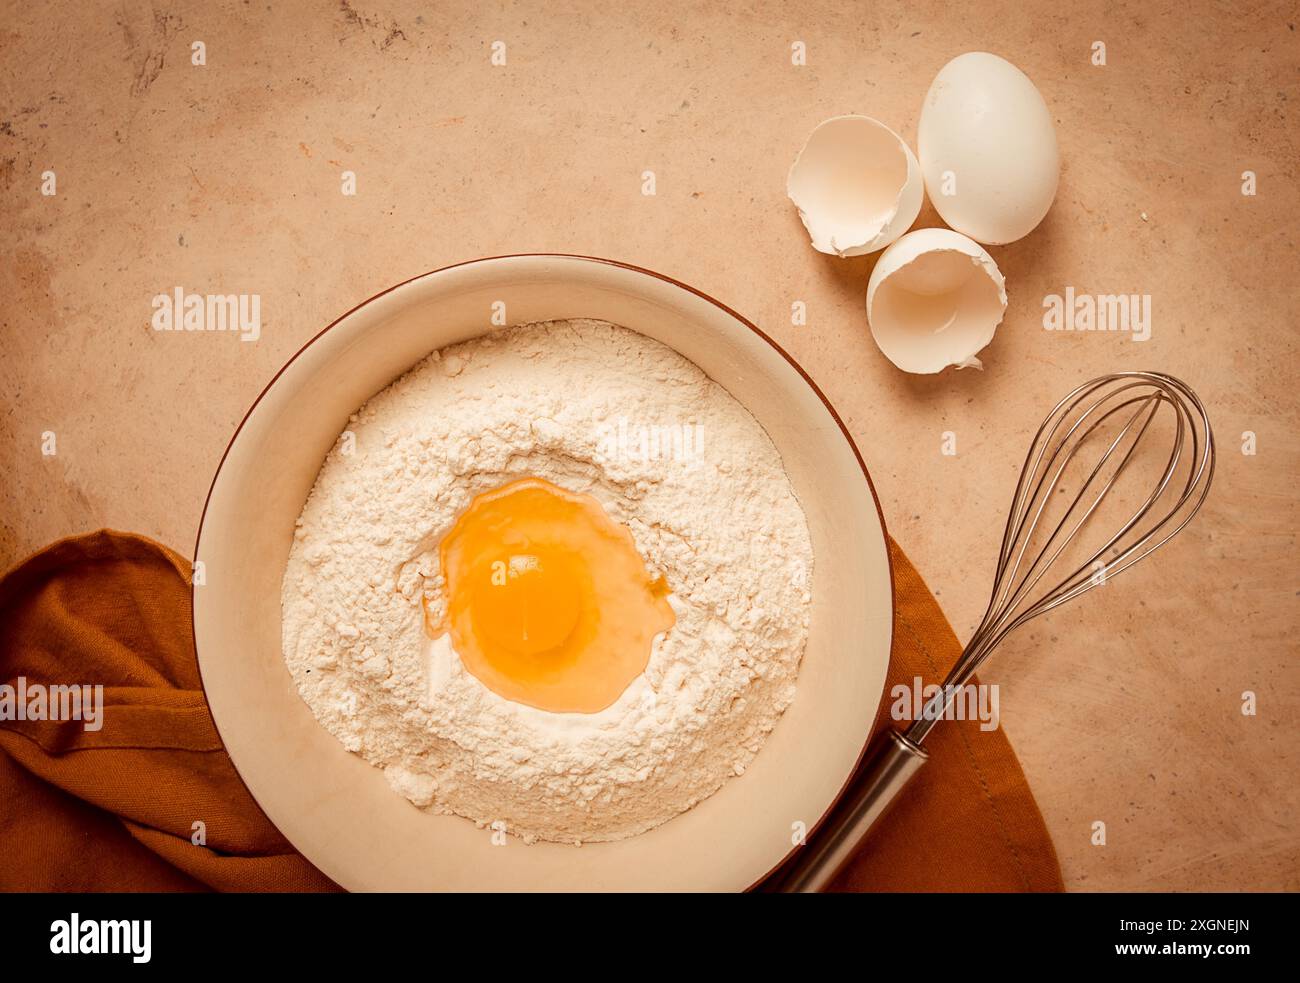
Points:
[(338, 810)]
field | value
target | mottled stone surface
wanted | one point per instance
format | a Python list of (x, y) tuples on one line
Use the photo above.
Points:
[(226, 178)]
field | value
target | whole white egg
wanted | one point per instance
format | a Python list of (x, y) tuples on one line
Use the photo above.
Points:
[(987, 148)]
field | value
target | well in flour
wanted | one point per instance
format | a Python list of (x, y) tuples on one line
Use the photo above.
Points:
[(721, 526)]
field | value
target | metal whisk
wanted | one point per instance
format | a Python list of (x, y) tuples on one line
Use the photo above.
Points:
[(1119, 411)]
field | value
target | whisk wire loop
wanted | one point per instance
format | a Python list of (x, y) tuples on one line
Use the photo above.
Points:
[(1029, 550)]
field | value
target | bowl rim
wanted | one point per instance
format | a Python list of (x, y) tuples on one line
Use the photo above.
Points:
[(839, 422)]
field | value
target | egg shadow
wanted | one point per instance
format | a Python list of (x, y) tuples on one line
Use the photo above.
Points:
[(1027, 264), (1033, 253), (852, 273), (1022, 262)]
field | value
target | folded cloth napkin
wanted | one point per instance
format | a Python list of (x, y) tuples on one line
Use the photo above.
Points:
[(146, 799)]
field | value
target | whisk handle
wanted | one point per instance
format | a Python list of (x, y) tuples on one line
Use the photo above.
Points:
[(893, 762)]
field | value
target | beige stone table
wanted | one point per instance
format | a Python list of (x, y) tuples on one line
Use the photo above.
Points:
[(227, 176)]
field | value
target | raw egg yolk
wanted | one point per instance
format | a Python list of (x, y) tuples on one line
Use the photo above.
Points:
[(548, 601), (529, 604)]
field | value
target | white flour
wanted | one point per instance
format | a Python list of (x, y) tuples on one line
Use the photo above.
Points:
[(596, 409)]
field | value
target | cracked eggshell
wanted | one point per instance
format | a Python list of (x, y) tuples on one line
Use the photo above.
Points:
[(857, 185), (986, 135), (934, 299)]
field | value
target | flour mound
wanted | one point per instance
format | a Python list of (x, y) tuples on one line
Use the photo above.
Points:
[(596, 409)]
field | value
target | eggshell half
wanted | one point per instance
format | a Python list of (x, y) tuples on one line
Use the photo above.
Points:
[(988, 149), (857, 185), (935, 299)]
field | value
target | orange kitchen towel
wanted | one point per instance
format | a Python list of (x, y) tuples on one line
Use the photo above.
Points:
[(145, 798)]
